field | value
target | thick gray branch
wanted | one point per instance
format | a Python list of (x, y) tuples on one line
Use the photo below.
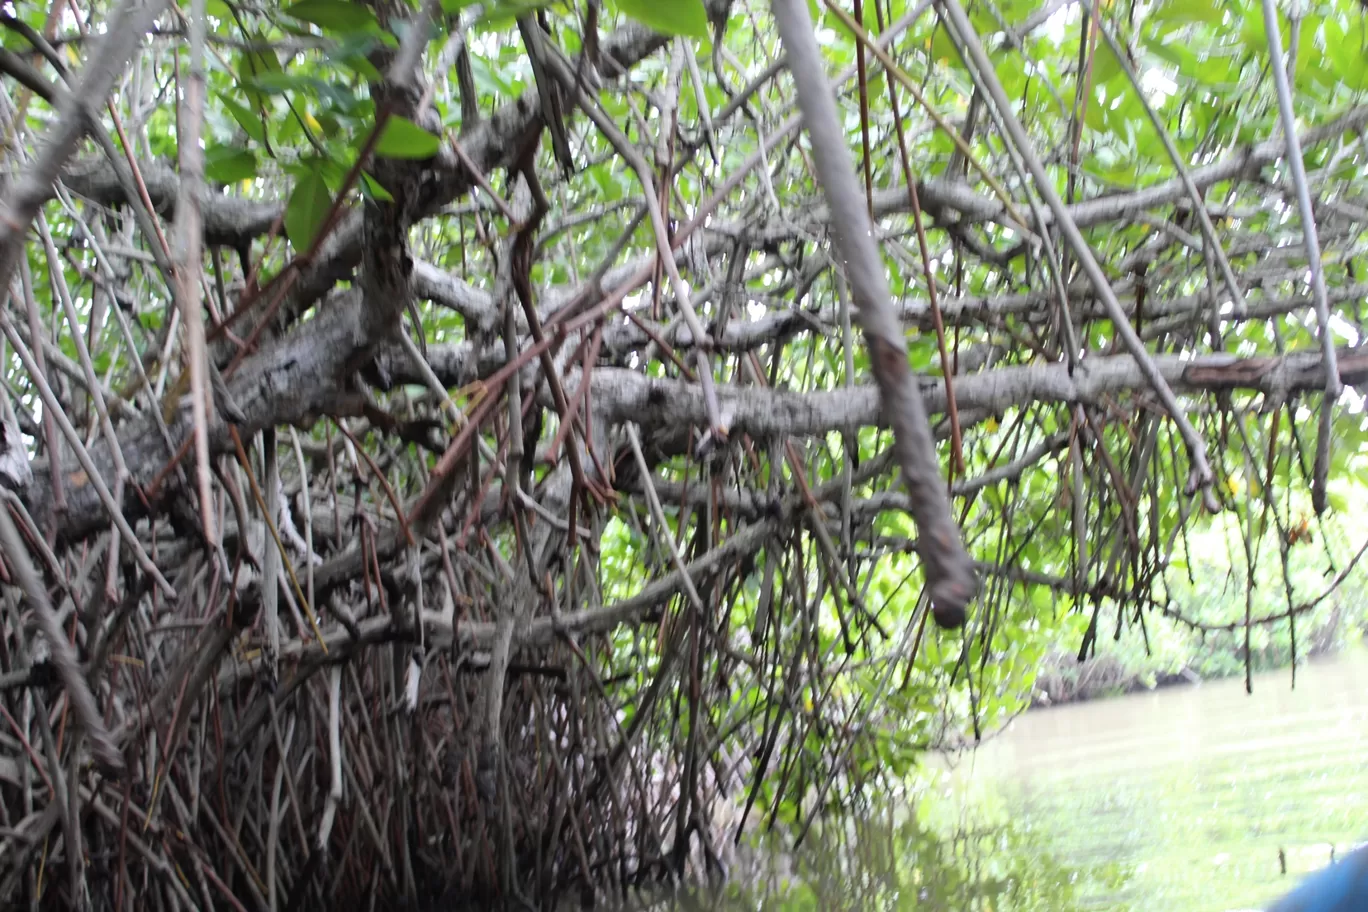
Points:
[(622, 395), (228, 220), (949, 572), (292, 381)]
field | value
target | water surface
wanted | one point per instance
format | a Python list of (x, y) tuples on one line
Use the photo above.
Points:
[(1186, 794)]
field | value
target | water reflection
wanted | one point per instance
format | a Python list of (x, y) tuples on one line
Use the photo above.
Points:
[(1198, 799), (1191, 792), (878, 862)]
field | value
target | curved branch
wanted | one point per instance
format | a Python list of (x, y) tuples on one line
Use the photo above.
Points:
[(949, 572)]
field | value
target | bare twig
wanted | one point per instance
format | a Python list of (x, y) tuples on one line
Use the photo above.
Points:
[(974, 53), (90, 474), (126, 27), (188, 260), (106, 752), (1333, 387)]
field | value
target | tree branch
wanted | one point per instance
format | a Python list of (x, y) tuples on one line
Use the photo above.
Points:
[(127, 26), (949, 572)]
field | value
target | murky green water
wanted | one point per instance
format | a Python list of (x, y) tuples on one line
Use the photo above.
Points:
[(1174, 801), (1182, 798)]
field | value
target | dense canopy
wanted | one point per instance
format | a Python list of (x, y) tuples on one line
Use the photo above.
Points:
[(443, 452)]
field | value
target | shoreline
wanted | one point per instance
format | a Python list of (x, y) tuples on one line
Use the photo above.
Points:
[(1063, 680)]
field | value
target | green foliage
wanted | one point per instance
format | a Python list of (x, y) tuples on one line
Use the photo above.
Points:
[(227, 164), (403, 138), (250, 122), (334, 15), (673, 17), (308, 206)]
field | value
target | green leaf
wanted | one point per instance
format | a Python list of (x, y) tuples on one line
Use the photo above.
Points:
[(336, 15), (488, 80), (405, 139), (333, 173), (1209, 11), (281, 83), (229, 164), (502, 15), (362, 67), (603, 178), (376, 189), (943, 50), (327, 124), (1106, 66), (1174, 53), (308, 206), (246, 118), (672, 17), (252, 65), (351, 52)]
